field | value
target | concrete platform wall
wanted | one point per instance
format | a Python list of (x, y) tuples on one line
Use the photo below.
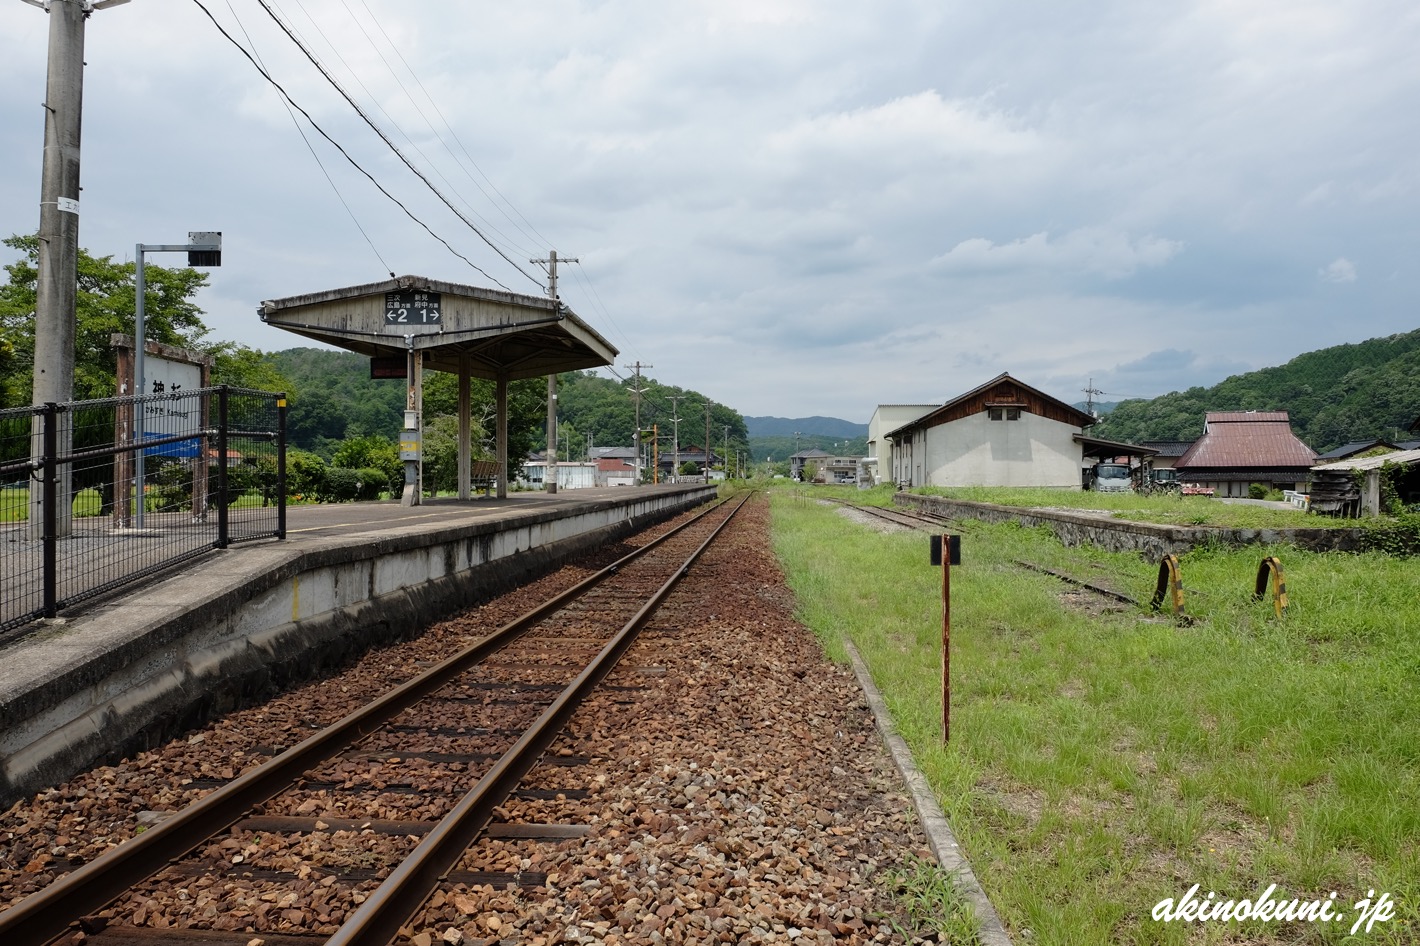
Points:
[(246, 623), (1117, 535)]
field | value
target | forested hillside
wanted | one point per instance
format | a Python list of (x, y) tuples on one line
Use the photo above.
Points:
[(1333, 396), (333, 398)]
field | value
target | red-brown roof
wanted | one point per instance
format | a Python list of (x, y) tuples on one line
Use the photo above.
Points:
[(1247, 439)]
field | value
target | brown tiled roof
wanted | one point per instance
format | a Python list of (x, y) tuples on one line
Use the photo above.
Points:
[(1247, 439)]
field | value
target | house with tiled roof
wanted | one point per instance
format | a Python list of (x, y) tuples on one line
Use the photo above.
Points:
[(1240, 448), (1166, 452), (1348, 450)]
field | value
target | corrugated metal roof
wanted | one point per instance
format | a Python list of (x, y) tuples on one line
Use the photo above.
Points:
[(1373, 463), (1247, 439), (1358, 446)]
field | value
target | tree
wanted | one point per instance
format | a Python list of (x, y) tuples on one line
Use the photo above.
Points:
[(105, 307)]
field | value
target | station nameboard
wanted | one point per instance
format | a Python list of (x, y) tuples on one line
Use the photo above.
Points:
[(412, 307)]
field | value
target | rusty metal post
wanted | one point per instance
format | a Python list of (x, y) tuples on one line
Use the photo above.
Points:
[(946, 641)]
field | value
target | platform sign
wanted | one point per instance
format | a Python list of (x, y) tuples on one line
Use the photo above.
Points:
[(413, 308), (176, 414), (409, 444)]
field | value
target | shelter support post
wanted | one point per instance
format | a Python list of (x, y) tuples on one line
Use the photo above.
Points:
[(465, 432), (500, 397)]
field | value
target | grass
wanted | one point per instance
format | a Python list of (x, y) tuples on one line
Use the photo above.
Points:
[(932, 903), (15, 504), (1102, 762)]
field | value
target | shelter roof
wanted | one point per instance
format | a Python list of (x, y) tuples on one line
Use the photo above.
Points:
[(490, 331), (1247, 440), (1095, 447)]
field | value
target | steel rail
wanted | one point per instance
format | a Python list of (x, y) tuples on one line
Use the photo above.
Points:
[(48, 913), (379, 919)]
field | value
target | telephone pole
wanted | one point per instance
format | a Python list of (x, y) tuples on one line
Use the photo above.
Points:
[(675, 420), (56, 289), (549, 482), (1090, 391), (708, 404), (636, 391)]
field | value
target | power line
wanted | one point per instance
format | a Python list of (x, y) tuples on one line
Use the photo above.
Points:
[(536, 237), (311, 148), (314, 124), (390, 144)]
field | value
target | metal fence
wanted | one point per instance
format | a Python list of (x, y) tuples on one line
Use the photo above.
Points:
[(85, 509)]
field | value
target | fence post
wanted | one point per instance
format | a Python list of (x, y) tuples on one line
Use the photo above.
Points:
[(222, 535), (50, 511), (281, 465)]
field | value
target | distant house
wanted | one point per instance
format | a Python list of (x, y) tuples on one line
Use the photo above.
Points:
[(885, 418), (1167, 452), (1239, 448), (1348, 450), (812, 457), (1002, 433)]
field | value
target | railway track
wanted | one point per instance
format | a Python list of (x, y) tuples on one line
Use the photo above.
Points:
[(926, 523), (345, 835)]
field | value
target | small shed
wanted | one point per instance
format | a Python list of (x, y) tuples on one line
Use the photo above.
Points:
[(1336, 490)]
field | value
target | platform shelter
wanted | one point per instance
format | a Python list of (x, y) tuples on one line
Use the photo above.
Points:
[(411, 324)]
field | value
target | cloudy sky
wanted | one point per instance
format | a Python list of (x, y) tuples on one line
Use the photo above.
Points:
[(792, 206)]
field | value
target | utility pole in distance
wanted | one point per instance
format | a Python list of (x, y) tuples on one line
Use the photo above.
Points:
[(549, 482), (56, 289), (636, 391)]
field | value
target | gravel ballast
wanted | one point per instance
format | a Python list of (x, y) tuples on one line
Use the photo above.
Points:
[(729, 785)]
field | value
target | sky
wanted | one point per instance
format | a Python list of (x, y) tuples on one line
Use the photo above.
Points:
[(793, 207)]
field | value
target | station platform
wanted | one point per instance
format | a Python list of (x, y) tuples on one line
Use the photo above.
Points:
[(237, 625)]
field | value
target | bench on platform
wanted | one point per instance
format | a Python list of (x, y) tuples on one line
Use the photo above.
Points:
[(483, 475)]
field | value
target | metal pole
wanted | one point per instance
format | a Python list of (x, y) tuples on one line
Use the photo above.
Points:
[(222, 533), (946, 639), (56, 288), (140, 406), (50, 514), (281, 465)]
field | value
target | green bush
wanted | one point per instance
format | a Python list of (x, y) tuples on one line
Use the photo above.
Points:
[(373, 482), (342, 485), (1399, 536), (1257, 491)]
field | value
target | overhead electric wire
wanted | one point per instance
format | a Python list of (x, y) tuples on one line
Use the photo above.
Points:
[(311, 148), (392, 146), (314, 124), (388, 118), (454, 135), (508, 240)]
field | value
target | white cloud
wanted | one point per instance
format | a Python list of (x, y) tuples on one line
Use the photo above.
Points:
[(1107, 253), (1338, 270)]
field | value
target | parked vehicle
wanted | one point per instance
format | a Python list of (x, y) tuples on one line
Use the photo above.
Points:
[(1111, 478), (1161, 481)]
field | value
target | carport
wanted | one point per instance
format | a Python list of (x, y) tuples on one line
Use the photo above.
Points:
[(410, 324)]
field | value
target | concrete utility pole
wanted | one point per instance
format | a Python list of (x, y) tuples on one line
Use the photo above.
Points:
[(675, 421), (549, 481), (706, 471), (56, 290), (636, 391)]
